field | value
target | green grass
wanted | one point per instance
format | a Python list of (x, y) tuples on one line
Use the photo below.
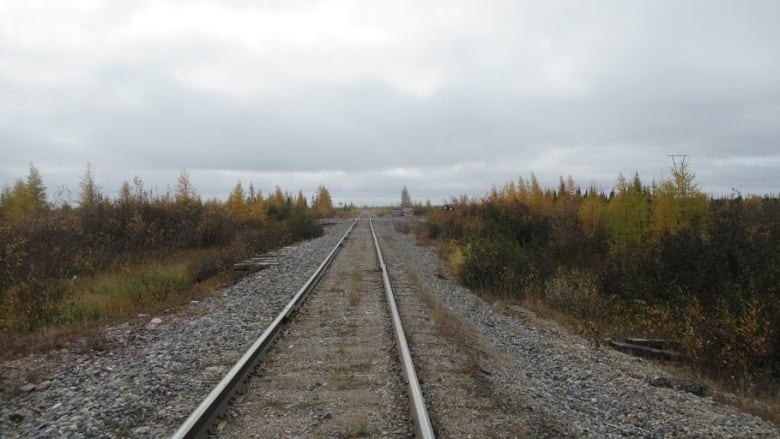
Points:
[(126, 291)]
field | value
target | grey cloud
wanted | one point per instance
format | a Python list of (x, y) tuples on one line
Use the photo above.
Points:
[(546, 87)]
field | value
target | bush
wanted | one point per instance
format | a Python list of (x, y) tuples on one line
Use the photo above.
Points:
[(711, 281), (571, 292), (302, 225), (203, 268)]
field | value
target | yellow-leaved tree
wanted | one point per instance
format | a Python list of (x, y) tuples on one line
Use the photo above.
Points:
[(236, 205), (678, 204), (629, 213), (25, 199), (323, 204), (593, 213)]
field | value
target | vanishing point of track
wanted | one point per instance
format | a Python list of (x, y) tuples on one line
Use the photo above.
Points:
[(206, 417)]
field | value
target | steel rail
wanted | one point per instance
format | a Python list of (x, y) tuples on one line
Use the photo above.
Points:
[(422, 421), (199, 422)]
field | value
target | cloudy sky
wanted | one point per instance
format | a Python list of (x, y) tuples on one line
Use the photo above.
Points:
[(445, 97)]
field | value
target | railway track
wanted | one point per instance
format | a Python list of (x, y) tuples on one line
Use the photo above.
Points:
[(337, 364)]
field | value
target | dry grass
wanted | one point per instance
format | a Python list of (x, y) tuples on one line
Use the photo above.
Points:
[(342, 379), (83, 338), (755, 399), (111, 297), (403, 227), (360, 430), (356, 286), (451, 326), (417, 227), (456, 330), (304, 405)]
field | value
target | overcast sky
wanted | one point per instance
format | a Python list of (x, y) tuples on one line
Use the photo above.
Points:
[(445, 97)]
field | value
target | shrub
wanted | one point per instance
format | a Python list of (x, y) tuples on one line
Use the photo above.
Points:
[(572, 292), (302, 225)]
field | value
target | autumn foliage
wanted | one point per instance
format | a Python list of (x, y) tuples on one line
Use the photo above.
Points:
[(662, 260), (46, 250)]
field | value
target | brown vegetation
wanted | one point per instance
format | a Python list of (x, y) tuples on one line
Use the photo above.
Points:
[(64, 266), (663, 261)]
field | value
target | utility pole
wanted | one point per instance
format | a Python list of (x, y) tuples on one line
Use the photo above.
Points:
[(681, 158)]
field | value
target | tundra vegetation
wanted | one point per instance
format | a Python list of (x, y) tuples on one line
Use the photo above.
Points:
[(66, 266), (658, 261)]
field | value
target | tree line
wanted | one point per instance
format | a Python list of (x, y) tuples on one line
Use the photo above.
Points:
[(659, 260), (43, 245)]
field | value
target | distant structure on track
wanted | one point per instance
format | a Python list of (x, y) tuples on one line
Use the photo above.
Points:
[(405, 211)]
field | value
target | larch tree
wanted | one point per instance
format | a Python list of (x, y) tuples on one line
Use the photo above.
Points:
[(523, 191), (91, 193), (593, 213), (629, 212), (125, 195), (536, 196), (510, 192), (275, 204), (666, 209), (678, 204), (15, 202), (257, 205), (692, 203), (323, 204), (36, 191), (235, 204), (185, 191)]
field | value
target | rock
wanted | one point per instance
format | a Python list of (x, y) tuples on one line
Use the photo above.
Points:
[(216, 370), (27, 388)]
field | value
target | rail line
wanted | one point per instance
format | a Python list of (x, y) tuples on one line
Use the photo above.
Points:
[(206, 415)]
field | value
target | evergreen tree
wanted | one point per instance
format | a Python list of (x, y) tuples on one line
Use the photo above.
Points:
[(300, 201), (406, 200)]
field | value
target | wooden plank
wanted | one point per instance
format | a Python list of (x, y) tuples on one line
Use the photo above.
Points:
[(657, 343), (644, 351), (250, 266)]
